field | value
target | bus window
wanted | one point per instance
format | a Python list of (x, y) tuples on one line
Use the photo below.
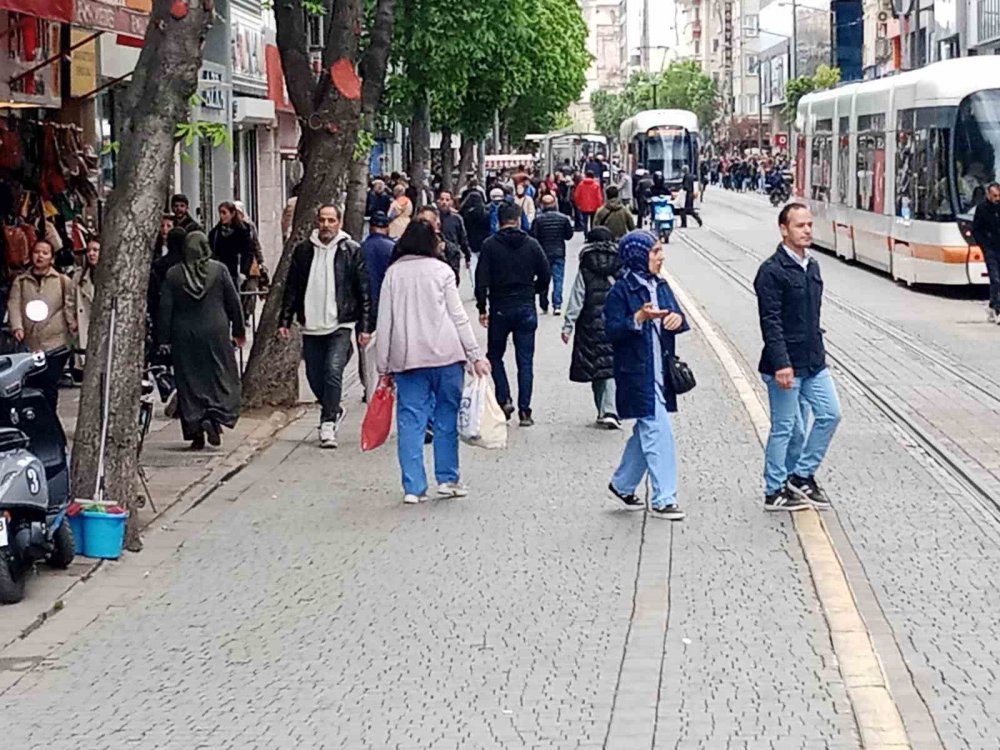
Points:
[(977, 145)]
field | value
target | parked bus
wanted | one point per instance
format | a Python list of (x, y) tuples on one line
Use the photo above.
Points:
[(661, 140), (894, 168)]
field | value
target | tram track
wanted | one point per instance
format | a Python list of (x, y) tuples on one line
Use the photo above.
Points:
[(954, 467), (980, 382)]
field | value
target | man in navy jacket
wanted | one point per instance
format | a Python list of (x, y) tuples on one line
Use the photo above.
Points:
[(793, 364)]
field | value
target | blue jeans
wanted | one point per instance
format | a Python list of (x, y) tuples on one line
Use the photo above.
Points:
[(651, 448), (522, 322), (558, 268), (429, 395), (794, 446), (326, 357)]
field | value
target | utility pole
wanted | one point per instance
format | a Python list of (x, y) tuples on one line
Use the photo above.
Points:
[(794, 63)]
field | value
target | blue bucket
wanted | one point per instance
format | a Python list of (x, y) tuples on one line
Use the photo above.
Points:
[(76, 526), (103, 534)]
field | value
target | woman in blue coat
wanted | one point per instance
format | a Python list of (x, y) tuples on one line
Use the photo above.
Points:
[(641, 319)]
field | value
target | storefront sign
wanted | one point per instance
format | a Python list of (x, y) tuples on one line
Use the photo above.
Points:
[(210, 90), (83, 64), (51, 10), (107, 16)]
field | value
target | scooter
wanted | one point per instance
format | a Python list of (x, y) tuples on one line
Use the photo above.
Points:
[(663, 216), (34, 473)]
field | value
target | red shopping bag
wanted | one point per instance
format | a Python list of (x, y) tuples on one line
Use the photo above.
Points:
[(378, 418)]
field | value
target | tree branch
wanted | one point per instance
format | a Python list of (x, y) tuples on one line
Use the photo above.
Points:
[(342, 32), (291, 35), (376, 57)]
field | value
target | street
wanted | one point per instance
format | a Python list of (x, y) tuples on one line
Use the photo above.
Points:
[(302, 605)]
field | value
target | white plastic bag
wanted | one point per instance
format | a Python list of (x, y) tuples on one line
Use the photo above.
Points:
[(370, 357), (481, 421)]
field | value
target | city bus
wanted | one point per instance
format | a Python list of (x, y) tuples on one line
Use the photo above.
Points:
[(661, 140), (894, 168)]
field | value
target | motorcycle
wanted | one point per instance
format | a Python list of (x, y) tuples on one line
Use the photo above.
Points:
[(663, 216), (34, 466), (778, 195)]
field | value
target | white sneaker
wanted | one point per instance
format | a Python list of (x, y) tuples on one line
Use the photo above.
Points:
[(452, 489), (414, 499), (328, 435)]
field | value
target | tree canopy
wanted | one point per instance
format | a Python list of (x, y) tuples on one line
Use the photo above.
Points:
[(825, 77), (524, 58), (681, 86)]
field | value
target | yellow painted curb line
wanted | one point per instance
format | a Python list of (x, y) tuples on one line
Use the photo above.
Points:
[(875, 710)]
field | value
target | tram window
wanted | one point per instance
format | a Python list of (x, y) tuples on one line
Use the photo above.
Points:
[(843, 165), (933, 193), (822, 152), (870, 171), (977, 148)]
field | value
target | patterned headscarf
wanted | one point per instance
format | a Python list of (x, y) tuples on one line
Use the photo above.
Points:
[(634, 250)]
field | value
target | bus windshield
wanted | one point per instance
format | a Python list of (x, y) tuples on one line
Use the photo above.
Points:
[(977, 148), (668, 150)]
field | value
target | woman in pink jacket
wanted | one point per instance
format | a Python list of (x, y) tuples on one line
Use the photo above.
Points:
[(424, 341)]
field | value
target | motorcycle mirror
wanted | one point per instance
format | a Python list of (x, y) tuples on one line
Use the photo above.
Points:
[(37, 310)]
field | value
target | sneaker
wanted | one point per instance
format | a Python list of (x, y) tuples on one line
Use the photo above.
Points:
[(452, 489), (328, 435), (525, 419), (784, 500), (556, 311), (991, 315), (414, 499), (508, 409), (610, 421), (806, 489), (198, 443), (630, 501), (667, 512), (212, 433)]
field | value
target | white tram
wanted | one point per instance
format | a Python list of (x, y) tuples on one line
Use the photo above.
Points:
[(661, 140), (894, 168)]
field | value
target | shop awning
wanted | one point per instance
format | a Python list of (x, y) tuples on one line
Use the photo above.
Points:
[(52, 10)]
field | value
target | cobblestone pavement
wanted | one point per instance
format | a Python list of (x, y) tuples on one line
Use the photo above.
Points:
[(926, 546), (315, 610)]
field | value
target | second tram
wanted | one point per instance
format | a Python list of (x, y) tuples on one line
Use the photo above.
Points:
[(893, 169), (661, 140)]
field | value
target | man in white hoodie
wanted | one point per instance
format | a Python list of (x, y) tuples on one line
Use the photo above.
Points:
[(327, 291)]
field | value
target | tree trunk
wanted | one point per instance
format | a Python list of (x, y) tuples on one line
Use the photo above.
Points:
[(420, 138), (373, 69), (164, 79), (329, 111), (465, 155), (447, 159)]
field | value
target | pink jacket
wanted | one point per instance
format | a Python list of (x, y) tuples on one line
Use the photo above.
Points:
[(421, 320)]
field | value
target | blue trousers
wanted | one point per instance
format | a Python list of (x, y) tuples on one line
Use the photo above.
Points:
[(521, 322), (558, 268), (430, 395), (650, 449), (795, 446)]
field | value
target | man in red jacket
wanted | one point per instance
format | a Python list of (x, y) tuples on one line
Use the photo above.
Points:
[(588, 198)]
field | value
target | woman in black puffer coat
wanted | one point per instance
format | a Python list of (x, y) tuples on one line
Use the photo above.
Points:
[(592, 360)]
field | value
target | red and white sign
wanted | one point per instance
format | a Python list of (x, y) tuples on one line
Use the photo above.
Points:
[(107, 16), (781, 140), (51, 10)]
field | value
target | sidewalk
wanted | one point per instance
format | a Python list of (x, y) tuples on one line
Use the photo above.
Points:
[(174, 475)]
